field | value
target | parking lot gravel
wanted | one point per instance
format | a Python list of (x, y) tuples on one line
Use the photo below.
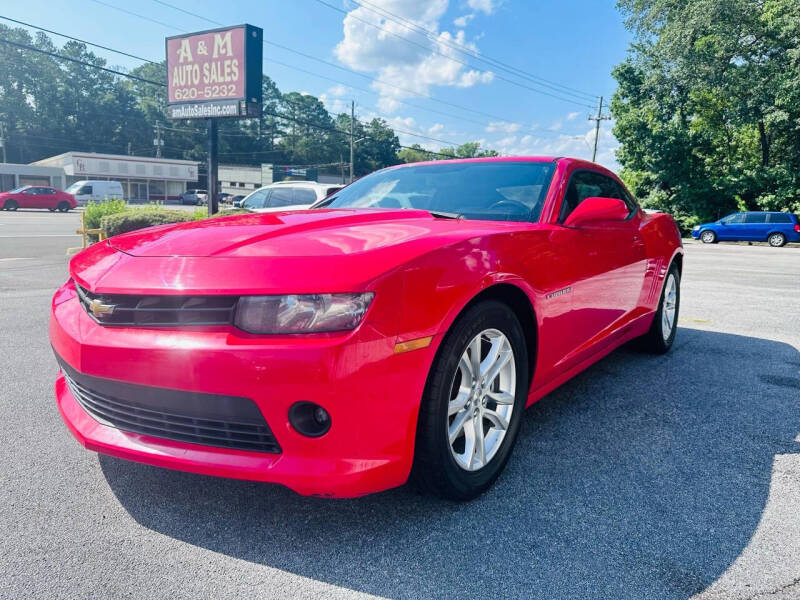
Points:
[(644, 477)]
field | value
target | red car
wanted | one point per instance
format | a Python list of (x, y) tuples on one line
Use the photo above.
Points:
[(397, 329), (37, 196)]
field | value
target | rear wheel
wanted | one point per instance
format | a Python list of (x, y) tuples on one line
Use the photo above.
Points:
[(659, 338), (708, 237), (776, 240), (473, 403), (63, 206)]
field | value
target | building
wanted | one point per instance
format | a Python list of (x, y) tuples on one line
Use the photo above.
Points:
[(142, 178), (243, 179), (13, 176)]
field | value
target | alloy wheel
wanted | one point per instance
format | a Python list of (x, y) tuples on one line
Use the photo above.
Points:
[(776, 240), (670, 305), (707, 237), (481, 400)]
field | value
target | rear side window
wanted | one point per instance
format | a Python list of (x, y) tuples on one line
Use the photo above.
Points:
[(755, 217), (588, 184), (780, 218), (87, 189), (281, 196), (304, 196)]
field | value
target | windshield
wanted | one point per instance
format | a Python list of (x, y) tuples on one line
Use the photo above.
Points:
[(75, 187), (497, 191), (19, 189)]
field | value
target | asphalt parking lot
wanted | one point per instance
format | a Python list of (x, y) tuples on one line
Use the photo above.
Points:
[(644, 477)]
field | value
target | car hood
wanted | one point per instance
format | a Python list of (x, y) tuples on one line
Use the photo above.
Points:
[(305, 233), (298, 252)]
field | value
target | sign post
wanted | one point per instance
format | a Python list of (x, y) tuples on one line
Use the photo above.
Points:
[(215, 74)]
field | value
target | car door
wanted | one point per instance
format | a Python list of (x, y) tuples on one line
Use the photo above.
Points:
[(49, 198), (731, 228), (29, 198), (755, 226), (280, 197), (607, 261)]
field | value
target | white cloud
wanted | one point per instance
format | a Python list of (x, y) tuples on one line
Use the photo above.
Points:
[(578, 146), (485, 6), (573, 115), (503, 126), (338, 90), (556, 125), (435, 128), (463, 20), (334, 105), (399, 64)]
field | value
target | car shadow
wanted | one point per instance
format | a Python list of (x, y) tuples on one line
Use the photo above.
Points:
[(642, 477)]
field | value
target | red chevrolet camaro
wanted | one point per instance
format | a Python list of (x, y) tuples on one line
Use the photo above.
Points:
[(397, 329)]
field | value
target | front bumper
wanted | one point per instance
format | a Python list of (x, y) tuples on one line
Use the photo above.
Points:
[(371, 394)]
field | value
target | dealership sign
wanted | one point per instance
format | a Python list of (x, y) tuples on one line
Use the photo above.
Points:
[(215, 73)]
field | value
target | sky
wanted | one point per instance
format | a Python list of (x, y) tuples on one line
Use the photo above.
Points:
[(519, 76)]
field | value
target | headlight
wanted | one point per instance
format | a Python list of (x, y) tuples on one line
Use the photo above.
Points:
[(696, 227), (306, 313)]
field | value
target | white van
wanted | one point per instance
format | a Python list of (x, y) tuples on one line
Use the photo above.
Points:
[(96, 191)]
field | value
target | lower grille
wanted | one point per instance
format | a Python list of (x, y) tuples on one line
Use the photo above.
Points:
[(207, 419)]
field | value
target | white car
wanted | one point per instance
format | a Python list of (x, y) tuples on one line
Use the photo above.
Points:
[(288, 195)]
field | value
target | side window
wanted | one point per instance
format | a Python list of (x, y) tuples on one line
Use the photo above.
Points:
[(731, 220), (87, 189), (755, 217), (780, 218), (257, 199), (281, 196), (587, 184), (304, 196)]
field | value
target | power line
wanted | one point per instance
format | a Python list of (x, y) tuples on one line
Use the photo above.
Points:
[(451, 58), (433, 36), (69, 37), (310, 57), (80, 62)]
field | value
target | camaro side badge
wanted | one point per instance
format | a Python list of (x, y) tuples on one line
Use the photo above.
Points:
[(99, 309), (555, 294)]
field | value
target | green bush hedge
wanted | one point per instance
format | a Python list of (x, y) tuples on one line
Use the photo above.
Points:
[(131, 220), (95, 211)]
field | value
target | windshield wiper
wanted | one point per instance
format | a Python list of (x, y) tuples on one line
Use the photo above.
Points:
[(444, 215), (324, 202)]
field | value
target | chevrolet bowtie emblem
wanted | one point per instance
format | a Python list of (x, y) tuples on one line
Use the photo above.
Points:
[(99, 309)]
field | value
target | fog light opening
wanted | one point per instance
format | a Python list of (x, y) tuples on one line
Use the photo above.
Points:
[(309, 419)]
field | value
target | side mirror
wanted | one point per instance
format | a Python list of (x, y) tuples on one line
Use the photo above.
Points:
[(597, 209)]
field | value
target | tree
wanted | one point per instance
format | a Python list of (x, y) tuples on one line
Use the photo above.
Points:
[(708, 105)]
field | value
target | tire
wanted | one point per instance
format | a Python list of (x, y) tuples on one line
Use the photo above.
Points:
[(776, 240), (657, 340), (456, 470), (10, 205), (63, 207), (708, 237)]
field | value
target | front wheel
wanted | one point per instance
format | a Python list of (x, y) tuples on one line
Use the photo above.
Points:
[(776, 240), (473, 403), (661, 335), (708, 237), (11, 205)]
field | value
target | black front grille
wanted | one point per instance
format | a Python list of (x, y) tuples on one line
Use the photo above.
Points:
[(157, 311), (207, 419)]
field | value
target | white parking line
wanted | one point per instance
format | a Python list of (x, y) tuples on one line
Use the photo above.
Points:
[(8, 259), (38, 235)]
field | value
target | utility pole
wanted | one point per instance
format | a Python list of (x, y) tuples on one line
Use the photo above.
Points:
[(129, 149), (212, 166), (158, 143), (3, 140), (600, 117), (352, 133)]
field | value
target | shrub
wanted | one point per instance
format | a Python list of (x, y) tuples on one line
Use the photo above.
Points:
[(131, 220), (95, 211)]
